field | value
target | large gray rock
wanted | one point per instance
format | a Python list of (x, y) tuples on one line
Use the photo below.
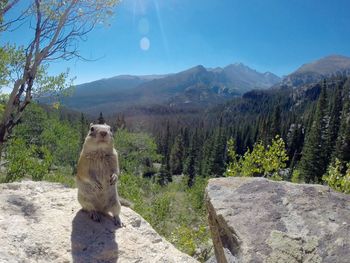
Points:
[(42, 222), (258, 220)]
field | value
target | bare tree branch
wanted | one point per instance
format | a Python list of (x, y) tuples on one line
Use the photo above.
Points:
[(8, 7), (58, 27)]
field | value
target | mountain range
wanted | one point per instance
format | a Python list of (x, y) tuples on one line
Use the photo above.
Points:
[(315, 71), (197, 87)]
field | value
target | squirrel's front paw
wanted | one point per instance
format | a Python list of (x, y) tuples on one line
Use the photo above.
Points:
[(113, 179), (95, 216), (117, 221)]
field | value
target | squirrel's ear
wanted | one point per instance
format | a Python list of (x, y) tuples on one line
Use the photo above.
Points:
[(91, 124)]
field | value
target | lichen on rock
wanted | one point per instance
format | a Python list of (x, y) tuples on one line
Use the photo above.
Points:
[(286, 248), (258, 220)]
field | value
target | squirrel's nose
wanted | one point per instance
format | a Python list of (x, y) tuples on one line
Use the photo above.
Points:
[(103, 133)]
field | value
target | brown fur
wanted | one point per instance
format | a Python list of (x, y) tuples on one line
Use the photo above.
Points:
[(98, 170)]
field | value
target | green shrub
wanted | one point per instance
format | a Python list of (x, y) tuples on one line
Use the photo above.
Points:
[(137, 151), (195, 194), (129, 187), (24, 161), (39, 167), (336, 179), (160, 212), (189, 240), (62, 174), (62, 140), (172, 206), (296, 177), (18, 160)]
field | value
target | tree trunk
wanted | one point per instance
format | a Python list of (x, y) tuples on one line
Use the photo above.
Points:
[(1, 147)]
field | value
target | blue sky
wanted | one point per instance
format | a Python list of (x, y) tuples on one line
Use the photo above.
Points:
[(267, 35)]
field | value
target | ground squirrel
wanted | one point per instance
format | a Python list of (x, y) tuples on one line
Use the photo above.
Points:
[(97, 174)]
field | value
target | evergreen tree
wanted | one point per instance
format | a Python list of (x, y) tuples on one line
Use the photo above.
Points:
[(200, 140), (292, 165), (248, 142), (186, 143), (100, 119), (215, 163), (276, 123), (164, 176), (190, 167), (264, 131), (255, 132), (176, 155), (334, 119), (313, 163), (342, 151), (218, 154), (295, 140), (165, 144), (239, 143), (207, 160)]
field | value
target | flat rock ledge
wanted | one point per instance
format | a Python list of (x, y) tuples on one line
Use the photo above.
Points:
[(258, 220), (43, 222)]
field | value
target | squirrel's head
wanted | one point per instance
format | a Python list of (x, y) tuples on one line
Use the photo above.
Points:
[(99, 137)]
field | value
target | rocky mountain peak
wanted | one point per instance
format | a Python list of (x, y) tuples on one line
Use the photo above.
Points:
[(316, 70)]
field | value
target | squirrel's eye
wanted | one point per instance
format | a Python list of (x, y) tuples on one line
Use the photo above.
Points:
[(92, 129)]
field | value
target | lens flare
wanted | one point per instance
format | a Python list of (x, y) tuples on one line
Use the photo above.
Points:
[(145, 43)]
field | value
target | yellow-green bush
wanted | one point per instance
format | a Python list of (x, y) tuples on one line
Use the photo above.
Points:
[(336, 179), (189, 239), (261, 161), (296, 177)]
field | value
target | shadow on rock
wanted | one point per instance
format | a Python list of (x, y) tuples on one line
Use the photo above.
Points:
[(93, 241), (21, 205)]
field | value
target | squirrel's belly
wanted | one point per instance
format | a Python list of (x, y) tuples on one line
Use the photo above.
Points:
[(90, 195), (101, 200)]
